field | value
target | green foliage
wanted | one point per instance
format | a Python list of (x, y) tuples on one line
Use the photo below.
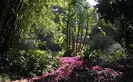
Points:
[(111, 10), (117, 56), (41, 26), (76, 26), (100, 42), (4, 78), (121, 16), (102, 46), (25, 25), (92, 54), (114, 48), (99, 57), (48, 38), (28, 25), (108, 28), (29, 63), (9, 33)]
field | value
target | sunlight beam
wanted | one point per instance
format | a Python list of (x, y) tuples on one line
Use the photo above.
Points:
[(91, 2)]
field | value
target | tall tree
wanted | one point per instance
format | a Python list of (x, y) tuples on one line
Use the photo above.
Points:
[(8, 16), (119, 12), (9, 31)]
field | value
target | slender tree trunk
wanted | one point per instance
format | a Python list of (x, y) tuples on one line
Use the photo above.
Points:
[(73, 41), (67, 39), (80, 43), (85, 38), (77, 41)]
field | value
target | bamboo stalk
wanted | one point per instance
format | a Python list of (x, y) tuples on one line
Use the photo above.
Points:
[(80, 38), (77, 39), (85, 38)]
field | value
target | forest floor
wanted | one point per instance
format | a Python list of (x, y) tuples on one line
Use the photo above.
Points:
[(76, 69)]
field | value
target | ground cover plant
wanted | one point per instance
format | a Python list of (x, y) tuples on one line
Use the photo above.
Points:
[(66, 41), (75, 69)]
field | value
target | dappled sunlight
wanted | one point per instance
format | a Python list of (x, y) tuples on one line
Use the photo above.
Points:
[(66, 41)]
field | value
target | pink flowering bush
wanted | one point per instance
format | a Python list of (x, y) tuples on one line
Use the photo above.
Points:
[(75, 69), (105, 74)]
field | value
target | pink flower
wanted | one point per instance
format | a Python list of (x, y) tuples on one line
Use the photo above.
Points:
[(108, 69), (100, 72), (114, 74), (96, 68)]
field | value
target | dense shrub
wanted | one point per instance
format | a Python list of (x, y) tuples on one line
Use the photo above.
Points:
[(109, 57), (113, 53), (100, 41), (114, 48), (29, 63), (103, 49)]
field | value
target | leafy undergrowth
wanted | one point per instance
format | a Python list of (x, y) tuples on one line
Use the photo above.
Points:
[(75, 69)]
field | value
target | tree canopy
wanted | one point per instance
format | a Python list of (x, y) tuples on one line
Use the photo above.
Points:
[(34, 33), (119, 12)]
